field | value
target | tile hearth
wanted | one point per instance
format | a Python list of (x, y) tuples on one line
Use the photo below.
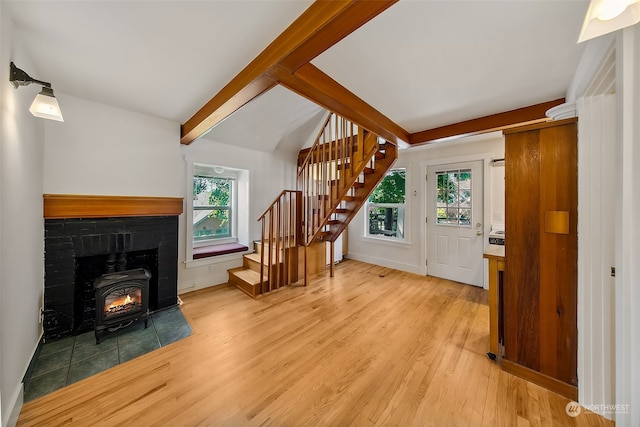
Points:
[(75, 358)]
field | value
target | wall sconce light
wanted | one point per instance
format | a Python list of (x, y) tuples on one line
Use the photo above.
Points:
[(607, 16), (45, 105)]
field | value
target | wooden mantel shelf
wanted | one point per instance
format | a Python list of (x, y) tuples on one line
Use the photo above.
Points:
[(89, 206)]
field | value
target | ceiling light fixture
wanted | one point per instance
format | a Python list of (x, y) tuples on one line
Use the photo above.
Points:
[(45, 105), (607, 16)]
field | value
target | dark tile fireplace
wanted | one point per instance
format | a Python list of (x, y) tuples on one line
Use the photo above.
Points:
[(80, 250)]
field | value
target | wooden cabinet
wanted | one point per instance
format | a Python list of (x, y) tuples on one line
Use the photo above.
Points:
[(495, 257), (540, 292)]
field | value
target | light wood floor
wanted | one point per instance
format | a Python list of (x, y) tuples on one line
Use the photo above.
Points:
[(372, 346)]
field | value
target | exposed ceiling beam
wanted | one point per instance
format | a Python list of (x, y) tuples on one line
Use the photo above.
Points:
[(321, 26), (230, 99), (526, 115), (310, 82)]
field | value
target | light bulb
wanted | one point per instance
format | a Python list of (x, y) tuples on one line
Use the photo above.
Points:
[(609, 9)]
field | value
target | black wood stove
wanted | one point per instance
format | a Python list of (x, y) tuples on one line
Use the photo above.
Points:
[(121, 298)]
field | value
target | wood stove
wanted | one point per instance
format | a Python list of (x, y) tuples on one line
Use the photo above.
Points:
[(121, 298)]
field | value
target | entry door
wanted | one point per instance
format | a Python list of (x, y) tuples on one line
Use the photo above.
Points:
[(455, 222)]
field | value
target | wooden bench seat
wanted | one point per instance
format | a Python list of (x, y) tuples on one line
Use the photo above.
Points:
[(215, 250)]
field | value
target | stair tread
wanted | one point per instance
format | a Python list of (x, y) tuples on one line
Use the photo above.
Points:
[(256, 257), (287, 243), (249, 276)]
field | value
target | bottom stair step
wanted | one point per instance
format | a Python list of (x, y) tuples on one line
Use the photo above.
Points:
[(248, 281)]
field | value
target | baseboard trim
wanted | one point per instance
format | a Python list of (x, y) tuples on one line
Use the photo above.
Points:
[(16, 406), (550, 383), (409, 268), (17, 400)]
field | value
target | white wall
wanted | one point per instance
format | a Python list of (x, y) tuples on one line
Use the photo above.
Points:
[(21, 225), (627, 296), (410, 255), (596, 253), (608, 211), (497, 194), (110, 151), (597, 170)]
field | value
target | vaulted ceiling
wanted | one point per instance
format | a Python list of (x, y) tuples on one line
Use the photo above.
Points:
[(422, 64)]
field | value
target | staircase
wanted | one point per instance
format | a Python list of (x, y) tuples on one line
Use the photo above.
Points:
[(253, 277), (335, 178)]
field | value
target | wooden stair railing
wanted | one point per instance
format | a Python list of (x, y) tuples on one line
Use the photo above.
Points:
[(274, 263), (337, 175), (335, 178), (351, 203), (332, 168), (281, 235)]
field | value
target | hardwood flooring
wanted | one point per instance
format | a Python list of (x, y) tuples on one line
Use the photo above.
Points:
[(371, 346)]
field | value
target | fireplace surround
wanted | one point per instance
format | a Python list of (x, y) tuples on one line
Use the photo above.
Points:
[(78, 249)]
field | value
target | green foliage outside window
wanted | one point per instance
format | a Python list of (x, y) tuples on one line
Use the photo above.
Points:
[(386, 206), (448, 185), (212, 210), (219, 194), (391, 189)]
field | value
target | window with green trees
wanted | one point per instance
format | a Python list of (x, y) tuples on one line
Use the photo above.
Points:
[(213, 212), (386, 206)]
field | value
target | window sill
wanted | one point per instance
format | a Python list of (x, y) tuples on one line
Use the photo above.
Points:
[(386, 241)]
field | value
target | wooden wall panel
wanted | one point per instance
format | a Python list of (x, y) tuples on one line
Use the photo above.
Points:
[(550, 192), (540, 292), (558, 254), (522, 275)]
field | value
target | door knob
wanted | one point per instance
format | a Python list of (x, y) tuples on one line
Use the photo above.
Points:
[(478, 233)]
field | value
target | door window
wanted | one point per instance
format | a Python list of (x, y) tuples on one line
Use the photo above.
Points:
[(453, 197)]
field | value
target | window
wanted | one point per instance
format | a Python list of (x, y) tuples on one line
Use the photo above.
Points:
[(215, 204), (453, 204), (212, 207), (219, 210), (386, 207)]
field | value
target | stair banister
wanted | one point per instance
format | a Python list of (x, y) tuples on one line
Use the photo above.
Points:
[(334, 179), (280, 232)]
